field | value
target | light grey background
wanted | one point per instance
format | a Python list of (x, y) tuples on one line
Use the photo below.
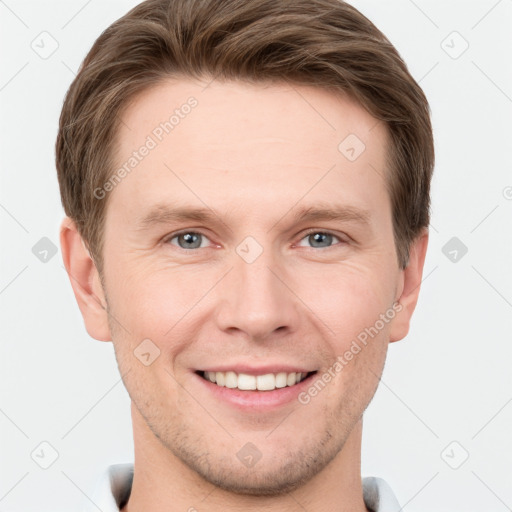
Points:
[(446, 391)]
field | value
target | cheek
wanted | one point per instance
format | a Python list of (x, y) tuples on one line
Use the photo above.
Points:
[(151, 301), (165, 303), (347, 298), (161, 305)]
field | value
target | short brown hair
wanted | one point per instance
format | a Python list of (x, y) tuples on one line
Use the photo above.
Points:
[(323, 43)]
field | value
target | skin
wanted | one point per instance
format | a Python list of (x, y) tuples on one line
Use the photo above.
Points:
[(254, 155)]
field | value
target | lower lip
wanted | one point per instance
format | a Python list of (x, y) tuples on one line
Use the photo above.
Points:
[(254, 399)]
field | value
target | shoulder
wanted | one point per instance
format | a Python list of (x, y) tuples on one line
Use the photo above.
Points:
[(378, 495)]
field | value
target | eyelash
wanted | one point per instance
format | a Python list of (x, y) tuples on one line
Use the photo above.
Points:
[(306, 234)]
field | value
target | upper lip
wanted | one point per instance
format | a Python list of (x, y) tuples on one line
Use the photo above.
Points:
[(257, 370)]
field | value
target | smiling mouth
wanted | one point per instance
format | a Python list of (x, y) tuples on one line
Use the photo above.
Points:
[(245, 382)]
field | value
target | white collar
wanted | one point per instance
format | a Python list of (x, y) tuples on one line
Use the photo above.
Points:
[(114, 486)]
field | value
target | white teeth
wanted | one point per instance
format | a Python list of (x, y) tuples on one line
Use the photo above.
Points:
[(218, 377), (246, 382), (231, 380), (266, 382), (243, 381), (281, 380)]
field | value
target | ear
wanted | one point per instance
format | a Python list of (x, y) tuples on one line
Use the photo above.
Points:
[(85, 281), (409, 287)]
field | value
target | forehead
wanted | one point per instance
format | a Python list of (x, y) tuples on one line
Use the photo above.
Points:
[(234, 108), (232, 141)]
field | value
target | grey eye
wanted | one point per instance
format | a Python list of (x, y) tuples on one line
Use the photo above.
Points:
[(188, 240), (320, 239)]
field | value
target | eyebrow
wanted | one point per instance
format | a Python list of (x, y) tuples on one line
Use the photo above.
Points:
[(339, 213), (165, 214)]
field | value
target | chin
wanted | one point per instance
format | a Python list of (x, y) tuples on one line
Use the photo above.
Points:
[(277, 472), (267, 480)]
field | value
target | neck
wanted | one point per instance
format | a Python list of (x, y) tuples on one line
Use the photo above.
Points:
[(162, 482)]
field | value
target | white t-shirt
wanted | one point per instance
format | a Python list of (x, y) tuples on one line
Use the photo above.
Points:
[(114, 486)]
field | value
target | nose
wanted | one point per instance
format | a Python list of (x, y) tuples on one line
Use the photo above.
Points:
[(256, 298)]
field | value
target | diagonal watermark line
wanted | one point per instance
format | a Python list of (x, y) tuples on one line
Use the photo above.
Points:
[(491, 490), (424, 13), (194, 305), (209, 494), (14, 218), (332, 332), (86, 414), (377, 172), (5, 495), (428, 275), (88, 497), (280, 423), (300, 199), (492, 286), (13, 279), (200, 404), (486, 14), (491, 80), (109, 313), (295, 499), (428, 72), (488, 215), (72, 72), (123, 122), (380, 379), (14, 423), (503, 407), (208, 84), (14, 76), (312, 106), (375, 125), (13, 13), (406, 503), (76, 14)]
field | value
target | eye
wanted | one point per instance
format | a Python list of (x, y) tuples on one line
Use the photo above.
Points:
[(189, 240), (194, 240), (320, 239)]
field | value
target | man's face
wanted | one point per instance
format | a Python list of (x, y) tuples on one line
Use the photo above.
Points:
[(254, 288)]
